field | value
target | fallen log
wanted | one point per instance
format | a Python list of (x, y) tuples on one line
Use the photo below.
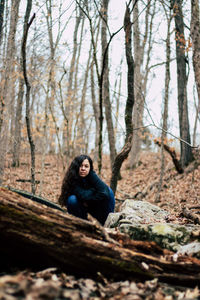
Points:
[(35, 236)]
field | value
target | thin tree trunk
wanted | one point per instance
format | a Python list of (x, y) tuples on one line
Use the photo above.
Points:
[(50, 93), (96, 112), (197, 112), (130, 74), (141, 75), (117, 99), (2, 4), (186, 151), (106, 90), (82, 124), (28, 88), (18, 122), (69, 96), (129, 104), (166, 101), (195, 34), (139, 47)]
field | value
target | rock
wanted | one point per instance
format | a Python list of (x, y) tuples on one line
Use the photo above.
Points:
[(191, 249), (137, 212), (144, 221)]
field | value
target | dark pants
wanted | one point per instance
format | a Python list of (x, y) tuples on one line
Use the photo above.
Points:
[(98, 209)]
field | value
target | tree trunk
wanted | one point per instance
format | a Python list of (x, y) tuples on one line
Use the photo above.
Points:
[(139, 88), (195, 34), (18, 121), (106, 90), (67, 133), (130, 74), (186, 151), (28, 88), (96, 112), (33, 236), (119, 159), (81, 128), (2, 4), (166, 101), (5, 96)]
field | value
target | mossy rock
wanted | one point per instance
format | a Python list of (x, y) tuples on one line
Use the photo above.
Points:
[(147, 222)]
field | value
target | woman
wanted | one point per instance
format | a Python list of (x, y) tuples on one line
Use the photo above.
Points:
[(84, 192)]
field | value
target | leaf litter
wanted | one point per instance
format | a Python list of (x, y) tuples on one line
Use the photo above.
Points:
[(177, 192)]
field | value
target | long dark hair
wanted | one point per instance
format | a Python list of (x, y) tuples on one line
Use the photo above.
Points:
[(72, 176)]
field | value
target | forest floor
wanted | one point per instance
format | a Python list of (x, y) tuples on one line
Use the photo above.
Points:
[(179, 191)]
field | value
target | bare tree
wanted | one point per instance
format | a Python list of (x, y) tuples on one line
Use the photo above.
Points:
[(168, 15), (18, 119), (69, 97), (106, 91), (27, 25), (6, 91), (195, 34), (186, 151), (142, 54), (123, 154)]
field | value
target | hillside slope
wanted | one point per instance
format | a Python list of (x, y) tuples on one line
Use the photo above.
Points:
[(179, 191)]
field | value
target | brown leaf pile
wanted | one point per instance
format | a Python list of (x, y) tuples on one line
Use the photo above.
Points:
[(48, 284)]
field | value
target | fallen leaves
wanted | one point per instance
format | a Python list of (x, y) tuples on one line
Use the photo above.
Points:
[(178, 192), (49, 284)]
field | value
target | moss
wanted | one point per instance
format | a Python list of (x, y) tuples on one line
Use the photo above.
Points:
[(162, 229)]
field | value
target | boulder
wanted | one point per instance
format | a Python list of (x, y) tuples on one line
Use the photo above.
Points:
[(147, 222)]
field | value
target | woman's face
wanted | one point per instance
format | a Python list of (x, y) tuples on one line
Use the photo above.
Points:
[(84, 168)]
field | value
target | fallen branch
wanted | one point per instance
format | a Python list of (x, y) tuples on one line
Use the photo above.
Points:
[(173, 155)]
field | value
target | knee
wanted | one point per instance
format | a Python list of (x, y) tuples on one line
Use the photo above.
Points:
[(112, 200), (72, 201)]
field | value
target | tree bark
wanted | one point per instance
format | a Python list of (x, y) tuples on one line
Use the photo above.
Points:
[(106, 90), (68, 110), (130, 74), (173, 155), (141, 42), (6, 90), (36, 237), (195, 34), (186, 151), (28, 88), (166, 104), (18, 121), (2, 4), (119, 159)]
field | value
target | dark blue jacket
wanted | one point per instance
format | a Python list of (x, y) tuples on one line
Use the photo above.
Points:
[(91, 188)]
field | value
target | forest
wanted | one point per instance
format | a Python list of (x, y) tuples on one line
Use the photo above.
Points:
[(117, 80)]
